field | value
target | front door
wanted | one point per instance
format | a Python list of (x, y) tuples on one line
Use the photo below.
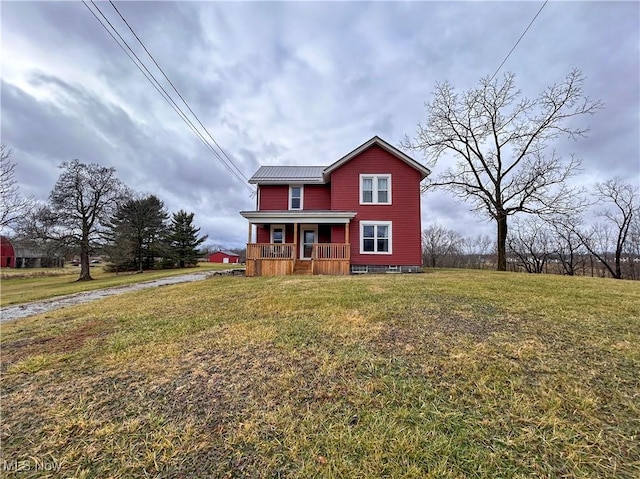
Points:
[(308, 239)]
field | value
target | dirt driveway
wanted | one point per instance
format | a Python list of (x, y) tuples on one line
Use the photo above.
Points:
[(11, 313)]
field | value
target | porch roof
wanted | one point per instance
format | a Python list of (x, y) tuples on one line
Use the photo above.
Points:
[(287, 216), (284, 175)]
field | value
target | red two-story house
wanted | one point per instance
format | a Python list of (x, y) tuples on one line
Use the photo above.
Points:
[(359, 214)]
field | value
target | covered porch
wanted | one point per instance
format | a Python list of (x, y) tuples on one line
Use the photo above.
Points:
[(300, 242)]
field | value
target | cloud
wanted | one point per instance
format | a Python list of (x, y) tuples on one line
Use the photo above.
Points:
[(292, 83)]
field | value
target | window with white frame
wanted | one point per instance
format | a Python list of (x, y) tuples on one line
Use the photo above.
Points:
[(375, 189), (277, 234), (375, 237), (295, 197)]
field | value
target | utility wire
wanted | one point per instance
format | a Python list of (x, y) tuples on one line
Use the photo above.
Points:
[(521, 36), (176, 90), (167, 97), (154, 82)]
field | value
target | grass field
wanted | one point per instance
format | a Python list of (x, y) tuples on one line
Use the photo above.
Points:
[(23, 285), (447, 374)]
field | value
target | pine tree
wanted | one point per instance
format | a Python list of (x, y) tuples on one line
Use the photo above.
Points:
[(183, 239), (138, 231)]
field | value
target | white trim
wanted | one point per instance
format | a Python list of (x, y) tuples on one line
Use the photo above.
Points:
[(376, 140), (304, 228), (291, 187), (284, 233), (278, 217), (374, 184), (375, 239)]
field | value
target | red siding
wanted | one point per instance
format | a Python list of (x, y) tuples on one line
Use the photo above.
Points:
[(274, 197), (404, 212), (337, 234), (316, 197), (7, 254), (219, 256), (263, 233)]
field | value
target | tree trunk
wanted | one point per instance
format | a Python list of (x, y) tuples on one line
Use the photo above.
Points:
[(502, 241), (618, 274), (85, 273)]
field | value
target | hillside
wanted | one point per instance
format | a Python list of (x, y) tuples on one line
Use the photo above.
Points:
[(446, 374)]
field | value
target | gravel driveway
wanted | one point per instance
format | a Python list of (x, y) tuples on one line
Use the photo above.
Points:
[(11, 313)]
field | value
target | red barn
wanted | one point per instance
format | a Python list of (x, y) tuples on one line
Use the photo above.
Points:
[(224, 257), (7, 253), (359, 214)]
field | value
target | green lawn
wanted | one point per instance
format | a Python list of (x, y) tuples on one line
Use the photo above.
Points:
[(32, 284), (447, 374)]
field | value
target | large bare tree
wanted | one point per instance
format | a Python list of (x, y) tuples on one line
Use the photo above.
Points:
[(80, 205), (496, 145), (13, 206)]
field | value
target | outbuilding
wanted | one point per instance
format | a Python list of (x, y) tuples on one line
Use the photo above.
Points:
[(7, 253), (26, 254), (224, 257)]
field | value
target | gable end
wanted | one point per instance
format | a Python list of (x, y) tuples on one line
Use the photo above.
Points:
[(424, 171)]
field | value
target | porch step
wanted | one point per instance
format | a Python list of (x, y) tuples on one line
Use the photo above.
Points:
[(302, 267)]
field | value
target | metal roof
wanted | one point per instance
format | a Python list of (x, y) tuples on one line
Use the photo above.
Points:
[(288, 174), (228, 253)]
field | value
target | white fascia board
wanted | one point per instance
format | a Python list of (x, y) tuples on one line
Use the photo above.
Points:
[(319, 217)]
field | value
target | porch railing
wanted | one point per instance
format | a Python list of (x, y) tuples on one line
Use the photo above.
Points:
[(271, 251), (320, 251), (330, 251)]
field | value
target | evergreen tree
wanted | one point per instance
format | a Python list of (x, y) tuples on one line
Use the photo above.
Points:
[(138, 233), (183, 239)]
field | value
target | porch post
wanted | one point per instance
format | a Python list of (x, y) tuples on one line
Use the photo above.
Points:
[(249, 240), (295, 239), (346, 233)]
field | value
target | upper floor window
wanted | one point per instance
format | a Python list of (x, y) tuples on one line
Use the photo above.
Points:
[(295, 197), (375, 189)]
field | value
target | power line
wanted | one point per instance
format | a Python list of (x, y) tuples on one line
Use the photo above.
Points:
[(165, 95), (168, 98), (176, 90), (514, 47)]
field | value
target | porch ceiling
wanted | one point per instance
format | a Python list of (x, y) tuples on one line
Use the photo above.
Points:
[(320, 217)]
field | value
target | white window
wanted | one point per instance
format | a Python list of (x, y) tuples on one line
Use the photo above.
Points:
[(375, 237), (277, 234), (295, 197), (375, 189)]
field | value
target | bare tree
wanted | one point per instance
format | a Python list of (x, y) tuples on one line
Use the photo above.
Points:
[(13, 206), (530, 241), (499, 141), (477, 251), (632, 246), (439, 242), (568, 246), (81, 203), (621, 200)]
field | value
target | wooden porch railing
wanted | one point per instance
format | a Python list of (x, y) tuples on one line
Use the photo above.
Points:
[(330, 251), (271, 251), (320, 251)]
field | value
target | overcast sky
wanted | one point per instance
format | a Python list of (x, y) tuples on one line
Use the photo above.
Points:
[(294, 84)]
